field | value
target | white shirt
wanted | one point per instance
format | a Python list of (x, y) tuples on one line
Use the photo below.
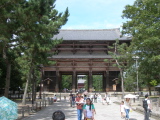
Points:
[(148, 102), (122, 108), (89, 113), (127, 105)]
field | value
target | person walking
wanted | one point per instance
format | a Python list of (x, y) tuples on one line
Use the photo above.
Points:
[(95, 98), (89, 110), (127, 106), (79, 104), (70, 98), (147, 107), (107, 98), (122, 110), (73, 100), (55, 98), (99, 98), (91, 97)]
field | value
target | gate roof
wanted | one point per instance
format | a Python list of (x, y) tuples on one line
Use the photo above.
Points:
[(90, 34)]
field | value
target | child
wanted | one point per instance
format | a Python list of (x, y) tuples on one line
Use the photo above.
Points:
[(122, 110), (55, 98), (89, 110), (103, 101)]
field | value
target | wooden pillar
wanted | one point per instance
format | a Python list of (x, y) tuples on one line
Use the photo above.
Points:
[(90, 81), (74, 77), (106, 76), (104, 82), (60, 83), (57, 81)]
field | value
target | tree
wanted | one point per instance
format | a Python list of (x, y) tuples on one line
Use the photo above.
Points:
[(67, 81), (143, 26), (98, 82), (27, 29), (8, 26), (120, 58), (41, 21)]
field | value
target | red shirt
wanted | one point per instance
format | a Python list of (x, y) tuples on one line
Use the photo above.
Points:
[(79, 105)]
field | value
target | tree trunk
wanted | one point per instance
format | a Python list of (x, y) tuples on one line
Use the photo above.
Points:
[(26, 87), (122, 83), (149, 87), (8, 74)]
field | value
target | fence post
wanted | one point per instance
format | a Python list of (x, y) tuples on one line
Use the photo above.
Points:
[(51, 101), (36, 106), (40, 105), (22, 112), (45, 103), (28, 110), (48, 100)]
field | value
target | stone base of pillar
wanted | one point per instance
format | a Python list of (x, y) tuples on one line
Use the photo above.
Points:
[(56, 89), (73, 90), (90, 89), (107, 89)]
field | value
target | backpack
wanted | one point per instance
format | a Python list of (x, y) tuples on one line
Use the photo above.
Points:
[(145, 104)]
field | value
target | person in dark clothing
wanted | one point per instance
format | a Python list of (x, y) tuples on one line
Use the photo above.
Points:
[(73, 100), (70, 98), (147, 108), (95, 98), (58, 115)]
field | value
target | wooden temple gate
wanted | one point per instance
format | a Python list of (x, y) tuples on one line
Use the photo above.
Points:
[(83, 52)]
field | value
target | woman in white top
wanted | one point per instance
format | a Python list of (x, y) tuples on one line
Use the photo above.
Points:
[(89, 110), (107, 98), (127, 106), (99, 98)]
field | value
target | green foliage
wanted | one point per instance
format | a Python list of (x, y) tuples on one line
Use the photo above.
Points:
[(27, 29), (154, 82), (143, 25), (67, 82), (98, 82)]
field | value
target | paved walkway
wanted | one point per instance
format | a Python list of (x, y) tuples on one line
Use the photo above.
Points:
[(104, 112)]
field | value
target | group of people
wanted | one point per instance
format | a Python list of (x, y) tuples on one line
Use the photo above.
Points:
[(84, 106), (95, 98), (98, 98), (125, 108)]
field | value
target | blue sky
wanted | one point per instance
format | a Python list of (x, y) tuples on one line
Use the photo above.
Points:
[(93, 14)]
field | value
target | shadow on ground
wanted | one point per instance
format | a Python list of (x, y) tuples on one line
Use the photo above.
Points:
[(46, 114)]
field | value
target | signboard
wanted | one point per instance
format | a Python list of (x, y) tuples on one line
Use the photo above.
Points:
[(114, 87)]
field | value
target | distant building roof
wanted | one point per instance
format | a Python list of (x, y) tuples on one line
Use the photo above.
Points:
[(81, 81), (90, 34)]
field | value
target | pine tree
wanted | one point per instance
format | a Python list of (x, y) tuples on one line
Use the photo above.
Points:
[(43, 22)]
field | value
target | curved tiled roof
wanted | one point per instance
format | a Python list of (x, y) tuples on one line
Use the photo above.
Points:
[(90, 34)]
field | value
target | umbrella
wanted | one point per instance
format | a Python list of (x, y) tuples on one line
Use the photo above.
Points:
[(8, 109), (130, 96)]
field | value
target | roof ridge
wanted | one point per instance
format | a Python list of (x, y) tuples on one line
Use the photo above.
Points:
[(113, 29)]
